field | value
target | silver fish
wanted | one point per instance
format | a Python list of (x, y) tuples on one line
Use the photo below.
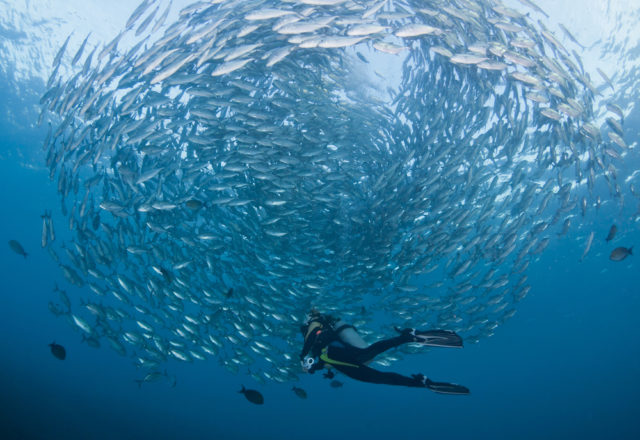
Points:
[(239, 145), (587, 246)]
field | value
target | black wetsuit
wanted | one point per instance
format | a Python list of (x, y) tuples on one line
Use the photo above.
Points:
[(351, 360), (323, 347)]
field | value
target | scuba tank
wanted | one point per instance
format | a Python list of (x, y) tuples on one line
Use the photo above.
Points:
[(349, 335)]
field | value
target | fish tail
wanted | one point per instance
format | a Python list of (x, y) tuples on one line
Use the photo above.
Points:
[(630, 253)]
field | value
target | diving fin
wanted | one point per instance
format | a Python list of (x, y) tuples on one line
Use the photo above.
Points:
[(446, 388), (438, 338), (434, 338)]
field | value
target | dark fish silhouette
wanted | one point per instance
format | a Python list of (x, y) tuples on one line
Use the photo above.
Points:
[(92, 341), (58, 351), (336, 384), (194, 204), (252, 396), (329, 374), (565, 227), (167, 275), (17, 248), (300, 392), (229, 293), (620, 253), (612, 233), (153, 376)]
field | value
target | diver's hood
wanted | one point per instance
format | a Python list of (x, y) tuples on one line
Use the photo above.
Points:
[(310, 331), (311, 327)]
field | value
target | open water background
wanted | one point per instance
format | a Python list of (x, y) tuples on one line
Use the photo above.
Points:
[(566, 366)]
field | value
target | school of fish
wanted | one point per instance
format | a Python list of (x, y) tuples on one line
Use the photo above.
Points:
[(242, 164)]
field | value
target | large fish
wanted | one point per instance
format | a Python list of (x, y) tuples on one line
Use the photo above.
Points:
[(17, 248), (252, 396), (620, 253), (58, 351), (299, 392)]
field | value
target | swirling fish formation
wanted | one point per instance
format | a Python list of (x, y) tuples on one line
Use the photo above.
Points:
[(240, 165)]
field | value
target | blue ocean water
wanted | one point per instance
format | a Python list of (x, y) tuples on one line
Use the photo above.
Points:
[(566, 366)]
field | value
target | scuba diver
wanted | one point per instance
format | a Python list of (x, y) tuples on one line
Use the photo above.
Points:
[(330, 342)]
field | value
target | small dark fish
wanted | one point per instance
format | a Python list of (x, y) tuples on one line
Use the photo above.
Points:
[(620, 253), (300, 392), (336, 384), (95, 223), (56, 309), (612, 233), (17, 248), (252, 396), (565, 227), (167, 275), (362, 57), (194, 204), (329, 374), (229, 293), (91, 341), (58, 351), (153, 376)]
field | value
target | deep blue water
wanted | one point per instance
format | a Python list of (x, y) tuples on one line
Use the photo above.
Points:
[(566, 366)]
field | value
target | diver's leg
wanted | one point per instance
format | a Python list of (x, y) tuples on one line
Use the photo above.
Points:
[(367, 374), (366, 354), (355, 355)]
